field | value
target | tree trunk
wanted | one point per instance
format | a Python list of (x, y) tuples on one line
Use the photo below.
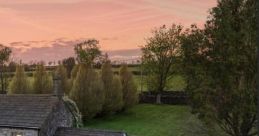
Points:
[(158, 98), (160, 90)]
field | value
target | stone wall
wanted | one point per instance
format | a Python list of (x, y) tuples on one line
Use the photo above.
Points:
[(25, 132), (60, 117)]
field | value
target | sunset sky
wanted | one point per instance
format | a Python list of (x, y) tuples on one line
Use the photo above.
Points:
[(48, 29)]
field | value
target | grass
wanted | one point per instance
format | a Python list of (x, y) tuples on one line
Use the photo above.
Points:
[(152, 120)]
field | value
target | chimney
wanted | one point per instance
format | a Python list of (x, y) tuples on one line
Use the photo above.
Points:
[(58, 91)]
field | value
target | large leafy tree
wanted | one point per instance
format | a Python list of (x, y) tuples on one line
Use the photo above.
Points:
[(5, 53), (220, 66), (160, 56), (88, 51)]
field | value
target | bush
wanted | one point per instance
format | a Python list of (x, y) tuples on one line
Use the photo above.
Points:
[(87, 92)]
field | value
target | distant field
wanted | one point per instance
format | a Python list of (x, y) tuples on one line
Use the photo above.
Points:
[(177, 83), (153, 120)]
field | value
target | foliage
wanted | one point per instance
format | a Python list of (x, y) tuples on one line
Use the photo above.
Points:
[(87, 92), (74, 71), (5, 53), (194, 64), (71, 105), (62, 72), (88, 51), (160, 55), (12, 66), (69, 63), (42, 83), (129, 88), (73, 76), (19, 83), (220, 67), (112, 88)]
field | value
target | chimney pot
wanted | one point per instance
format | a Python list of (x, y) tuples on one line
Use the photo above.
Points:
[(58, 91)]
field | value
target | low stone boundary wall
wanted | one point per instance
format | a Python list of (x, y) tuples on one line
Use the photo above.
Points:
[(167, 97)]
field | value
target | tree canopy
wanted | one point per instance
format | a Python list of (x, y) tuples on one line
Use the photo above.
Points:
[(220, 67), (88, 51), (5, 53), (69, 63), (160, 55)]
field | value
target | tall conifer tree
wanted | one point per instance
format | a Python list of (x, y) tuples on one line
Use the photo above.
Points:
[(42, 82), (129, 88), (87, 92), (19, 83), (112, 89)]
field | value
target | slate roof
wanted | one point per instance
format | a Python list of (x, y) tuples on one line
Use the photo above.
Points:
[(86, 132), (25, 111)]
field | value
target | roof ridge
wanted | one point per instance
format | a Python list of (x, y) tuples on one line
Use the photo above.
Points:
[(29, 95)]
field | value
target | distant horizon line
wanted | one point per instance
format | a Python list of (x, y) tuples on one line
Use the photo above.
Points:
[(119, 55)]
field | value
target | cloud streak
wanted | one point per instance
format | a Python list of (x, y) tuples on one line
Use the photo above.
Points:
[(118, 24)]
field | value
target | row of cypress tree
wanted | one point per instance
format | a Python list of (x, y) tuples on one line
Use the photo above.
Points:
[(95, 93)]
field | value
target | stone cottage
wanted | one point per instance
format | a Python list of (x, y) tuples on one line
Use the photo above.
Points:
[(41, 115)]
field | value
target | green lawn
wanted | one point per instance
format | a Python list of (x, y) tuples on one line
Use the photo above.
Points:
[(152, 120)]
